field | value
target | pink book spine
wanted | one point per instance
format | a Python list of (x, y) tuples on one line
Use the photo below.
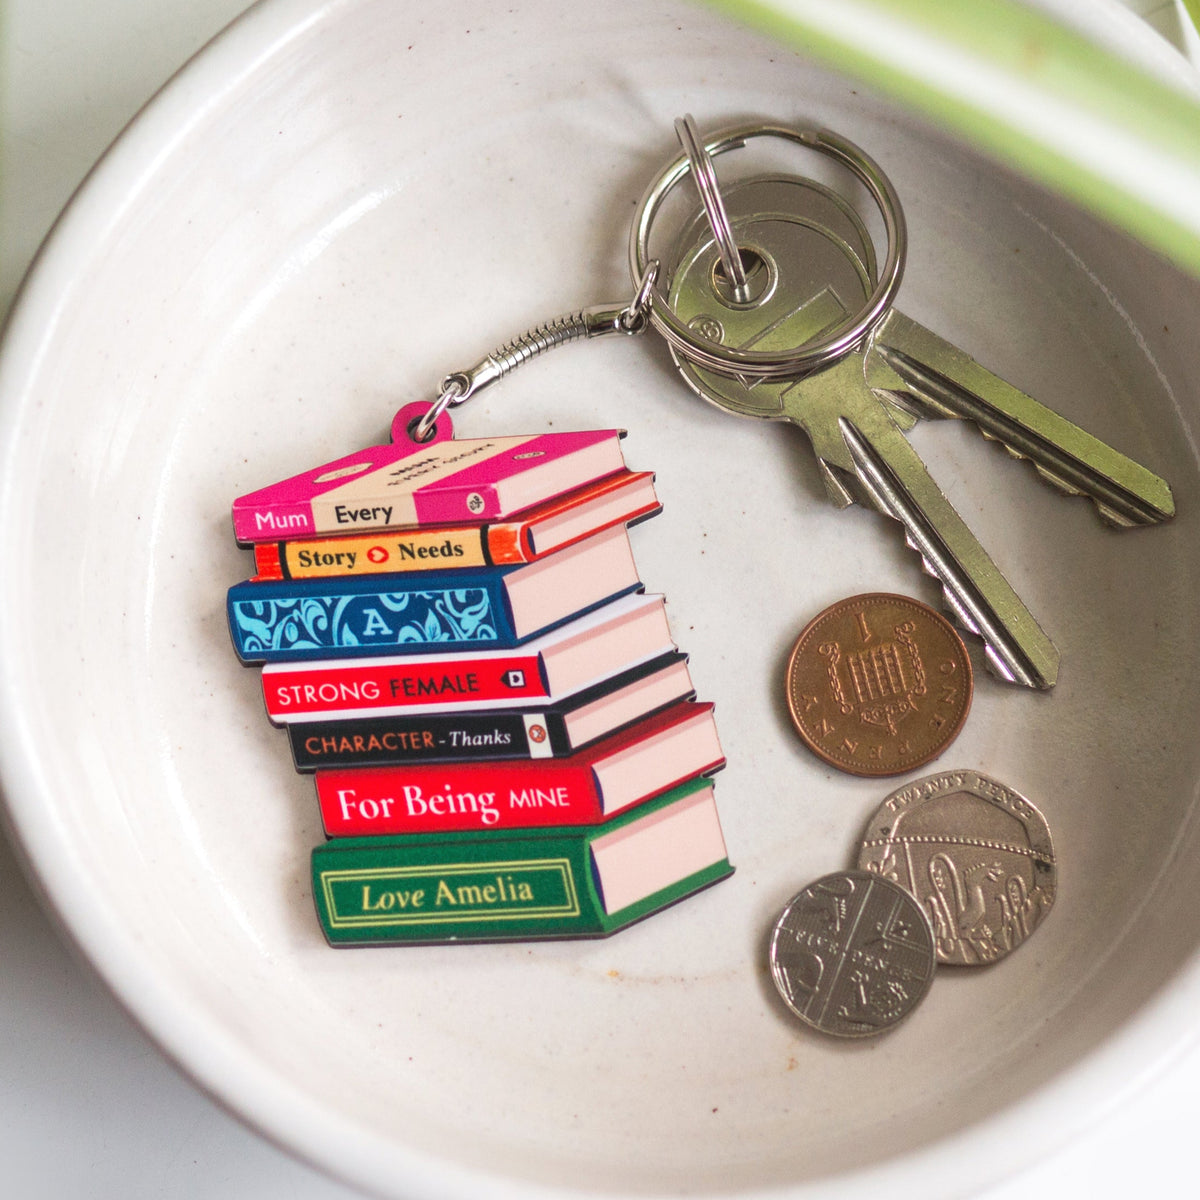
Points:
[(272, 522), (361, 491), (285, 509)]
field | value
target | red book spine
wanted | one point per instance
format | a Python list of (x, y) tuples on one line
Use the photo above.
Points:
[(503, 795), (516, 793), (459, 680)]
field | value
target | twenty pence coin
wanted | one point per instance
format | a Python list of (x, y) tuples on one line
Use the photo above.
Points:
[(878, 684), (852, 955), (976, 855)]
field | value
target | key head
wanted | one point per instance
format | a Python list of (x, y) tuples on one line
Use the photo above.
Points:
[(783, 195), (810, 268)]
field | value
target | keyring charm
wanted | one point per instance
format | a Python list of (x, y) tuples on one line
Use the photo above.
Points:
[(762, 364)]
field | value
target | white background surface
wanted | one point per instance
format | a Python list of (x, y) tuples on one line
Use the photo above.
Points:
[(88, 1106)]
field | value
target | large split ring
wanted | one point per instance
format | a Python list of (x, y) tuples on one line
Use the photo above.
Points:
[(767, 364)]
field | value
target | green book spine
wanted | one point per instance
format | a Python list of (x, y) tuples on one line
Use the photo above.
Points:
[(484, 886)]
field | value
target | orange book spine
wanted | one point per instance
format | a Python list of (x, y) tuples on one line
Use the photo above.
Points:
[(508, 542), (267, 563)]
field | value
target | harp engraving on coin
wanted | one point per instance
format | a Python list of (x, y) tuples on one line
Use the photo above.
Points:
[(976, 855)]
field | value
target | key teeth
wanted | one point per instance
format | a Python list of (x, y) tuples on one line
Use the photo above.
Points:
[(957, 611), (949, 601), (1048, 476), (1053, 479), (1125, 492), (1028, 655), (1109, 515), (962, 618)]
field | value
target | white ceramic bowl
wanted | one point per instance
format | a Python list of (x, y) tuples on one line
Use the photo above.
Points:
[(331, 208)]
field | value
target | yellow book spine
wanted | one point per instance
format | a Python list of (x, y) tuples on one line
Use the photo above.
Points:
[(373, 554)]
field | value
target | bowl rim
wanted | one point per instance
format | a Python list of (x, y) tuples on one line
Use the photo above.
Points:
[(1099, 1082)]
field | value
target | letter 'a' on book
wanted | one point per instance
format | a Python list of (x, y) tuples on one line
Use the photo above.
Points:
[(439, 482), (583, 652), (474, 608), (552, 883), (622, 770)]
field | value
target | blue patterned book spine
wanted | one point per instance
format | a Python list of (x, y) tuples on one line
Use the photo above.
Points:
[(334, 618)]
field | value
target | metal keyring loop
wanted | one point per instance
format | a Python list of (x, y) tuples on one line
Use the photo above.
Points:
[(705, 176), (635, 315), (455, 389), (765, 364)]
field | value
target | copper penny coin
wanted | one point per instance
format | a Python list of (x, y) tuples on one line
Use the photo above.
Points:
[(878, 684), (975, 854), (852, 954)]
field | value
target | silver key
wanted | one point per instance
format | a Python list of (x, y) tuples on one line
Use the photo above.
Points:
[(861, 449), (858, 435), (939, 380), (921, 374)]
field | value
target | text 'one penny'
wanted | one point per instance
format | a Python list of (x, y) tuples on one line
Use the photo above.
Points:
[(878, 684)]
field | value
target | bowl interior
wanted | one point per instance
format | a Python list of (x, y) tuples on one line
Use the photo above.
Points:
[(335, 208)]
